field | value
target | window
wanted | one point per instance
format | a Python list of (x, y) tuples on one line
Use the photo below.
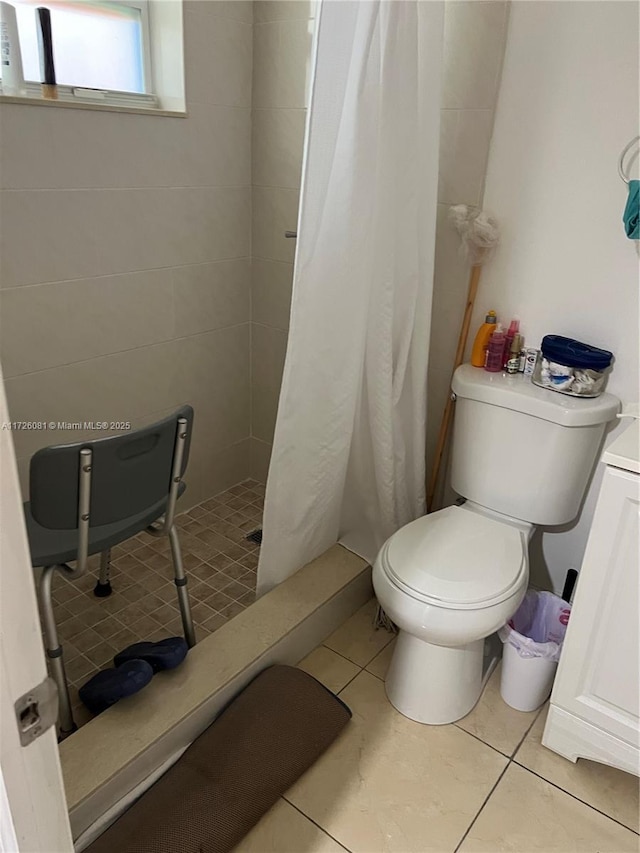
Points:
[(104, 51), (95, 45)]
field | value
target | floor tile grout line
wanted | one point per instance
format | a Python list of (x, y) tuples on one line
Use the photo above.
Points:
[(374, 675), (484, 803), (526, 734), (315, 823), (478, 738), (344, 657), (460, 728), (511, 760), (362, 666), (573, 796), (392, 637), (511, 755), (497, 782), (353, 678)]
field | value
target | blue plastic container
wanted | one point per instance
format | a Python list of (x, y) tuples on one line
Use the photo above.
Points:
[(571, 367)]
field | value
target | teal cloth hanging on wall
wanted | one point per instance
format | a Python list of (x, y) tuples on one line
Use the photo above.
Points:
[(631, 215)]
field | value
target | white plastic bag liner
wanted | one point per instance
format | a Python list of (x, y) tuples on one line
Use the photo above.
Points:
[(349, 444), (533, 641), (538, 626)]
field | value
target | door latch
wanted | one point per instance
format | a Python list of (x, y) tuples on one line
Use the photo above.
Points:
[(37, 711)]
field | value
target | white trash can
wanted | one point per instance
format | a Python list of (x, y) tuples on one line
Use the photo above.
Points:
[(532, 641)]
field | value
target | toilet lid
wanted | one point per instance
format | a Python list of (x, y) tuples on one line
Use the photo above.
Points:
[(457, 557)]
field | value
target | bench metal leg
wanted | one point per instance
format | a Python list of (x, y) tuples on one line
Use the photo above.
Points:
[(54, 652), (103, 587), (180, 581)]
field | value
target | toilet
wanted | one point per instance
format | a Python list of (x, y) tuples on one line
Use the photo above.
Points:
[(521, 457)]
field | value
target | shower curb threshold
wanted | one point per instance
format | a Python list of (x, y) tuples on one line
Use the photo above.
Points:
[(114, 753)]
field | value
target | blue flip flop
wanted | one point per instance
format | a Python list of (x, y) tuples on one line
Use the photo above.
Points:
[(111, 685), (165, 654)]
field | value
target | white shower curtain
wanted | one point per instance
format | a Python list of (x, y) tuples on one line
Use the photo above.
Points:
[(349, 445)]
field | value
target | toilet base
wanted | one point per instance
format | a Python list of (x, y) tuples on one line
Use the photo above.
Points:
[(436, 684)]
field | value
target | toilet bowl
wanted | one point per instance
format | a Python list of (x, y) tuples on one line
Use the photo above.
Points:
[(448, 581)]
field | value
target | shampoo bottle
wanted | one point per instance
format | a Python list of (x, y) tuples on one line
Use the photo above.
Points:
[(495, 350), (479, 350), (12, 75)]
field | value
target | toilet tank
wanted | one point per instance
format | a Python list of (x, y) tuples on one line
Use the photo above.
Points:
[(521, 450)]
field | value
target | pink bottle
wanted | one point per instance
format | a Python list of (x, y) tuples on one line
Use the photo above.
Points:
[(495, 350), (514, 328)]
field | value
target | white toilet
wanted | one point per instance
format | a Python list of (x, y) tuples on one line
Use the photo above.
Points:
[(521, 456)]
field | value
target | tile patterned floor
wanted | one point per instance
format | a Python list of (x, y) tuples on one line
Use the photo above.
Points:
[(389, 785), (221, 565)]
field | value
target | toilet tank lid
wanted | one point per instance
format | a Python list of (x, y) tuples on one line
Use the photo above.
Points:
[(519, 394)]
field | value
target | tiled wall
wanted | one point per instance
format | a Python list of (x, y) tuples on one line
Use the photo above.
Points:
[(282, 36), (126, 275), (125, 268), (474, 42), (474, 39)]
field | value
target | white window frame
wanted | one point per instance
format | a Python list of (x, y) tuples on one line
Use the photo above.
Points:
[(110, 97), (147, 70)]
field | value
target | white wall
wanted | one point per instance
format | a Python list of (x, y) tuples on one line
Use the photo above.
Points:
[(568, 104)]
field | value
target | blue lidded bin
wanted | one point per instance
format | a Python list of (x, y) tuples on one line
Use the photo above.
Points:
[(571, 367)]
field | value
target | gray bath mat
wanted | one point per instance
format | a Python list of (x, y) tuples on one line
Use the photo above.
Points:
[(235, 771)]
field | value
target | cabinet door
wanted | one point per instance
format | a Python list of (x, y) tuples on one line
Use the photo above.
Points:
[(598, 674)]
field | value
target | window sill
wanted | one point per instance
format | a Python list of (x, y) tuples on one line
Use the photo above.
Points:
[(117, 102)]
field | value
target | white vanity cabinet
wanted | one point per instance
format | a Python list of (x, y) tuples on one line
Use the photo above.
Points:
[(595, 704)]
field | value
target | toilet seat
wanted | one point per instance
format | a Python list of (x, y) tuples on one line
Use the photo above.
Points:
[(456, 558)]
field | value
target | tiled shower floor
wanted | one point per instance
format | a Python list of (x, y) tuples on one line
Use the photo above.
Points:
[(221, 565)]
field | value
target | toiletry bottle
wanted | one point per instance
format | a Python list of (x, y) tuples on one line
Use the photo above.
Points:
[(523, 355), (495, 350), (479, 349), (514, 328), (45, 50), (513, 362), (531, 355), (12, 76)]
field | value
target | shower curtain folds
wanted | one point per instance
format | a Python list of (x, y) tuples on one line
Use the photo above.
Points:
[(349, 444)]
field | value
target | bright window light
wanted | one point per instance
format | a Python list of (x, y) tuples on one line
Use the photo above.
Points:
[(96, 45)]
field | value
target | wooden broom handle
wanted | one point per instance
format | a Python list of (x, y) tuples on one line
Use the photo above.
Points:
[(474, 280)]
